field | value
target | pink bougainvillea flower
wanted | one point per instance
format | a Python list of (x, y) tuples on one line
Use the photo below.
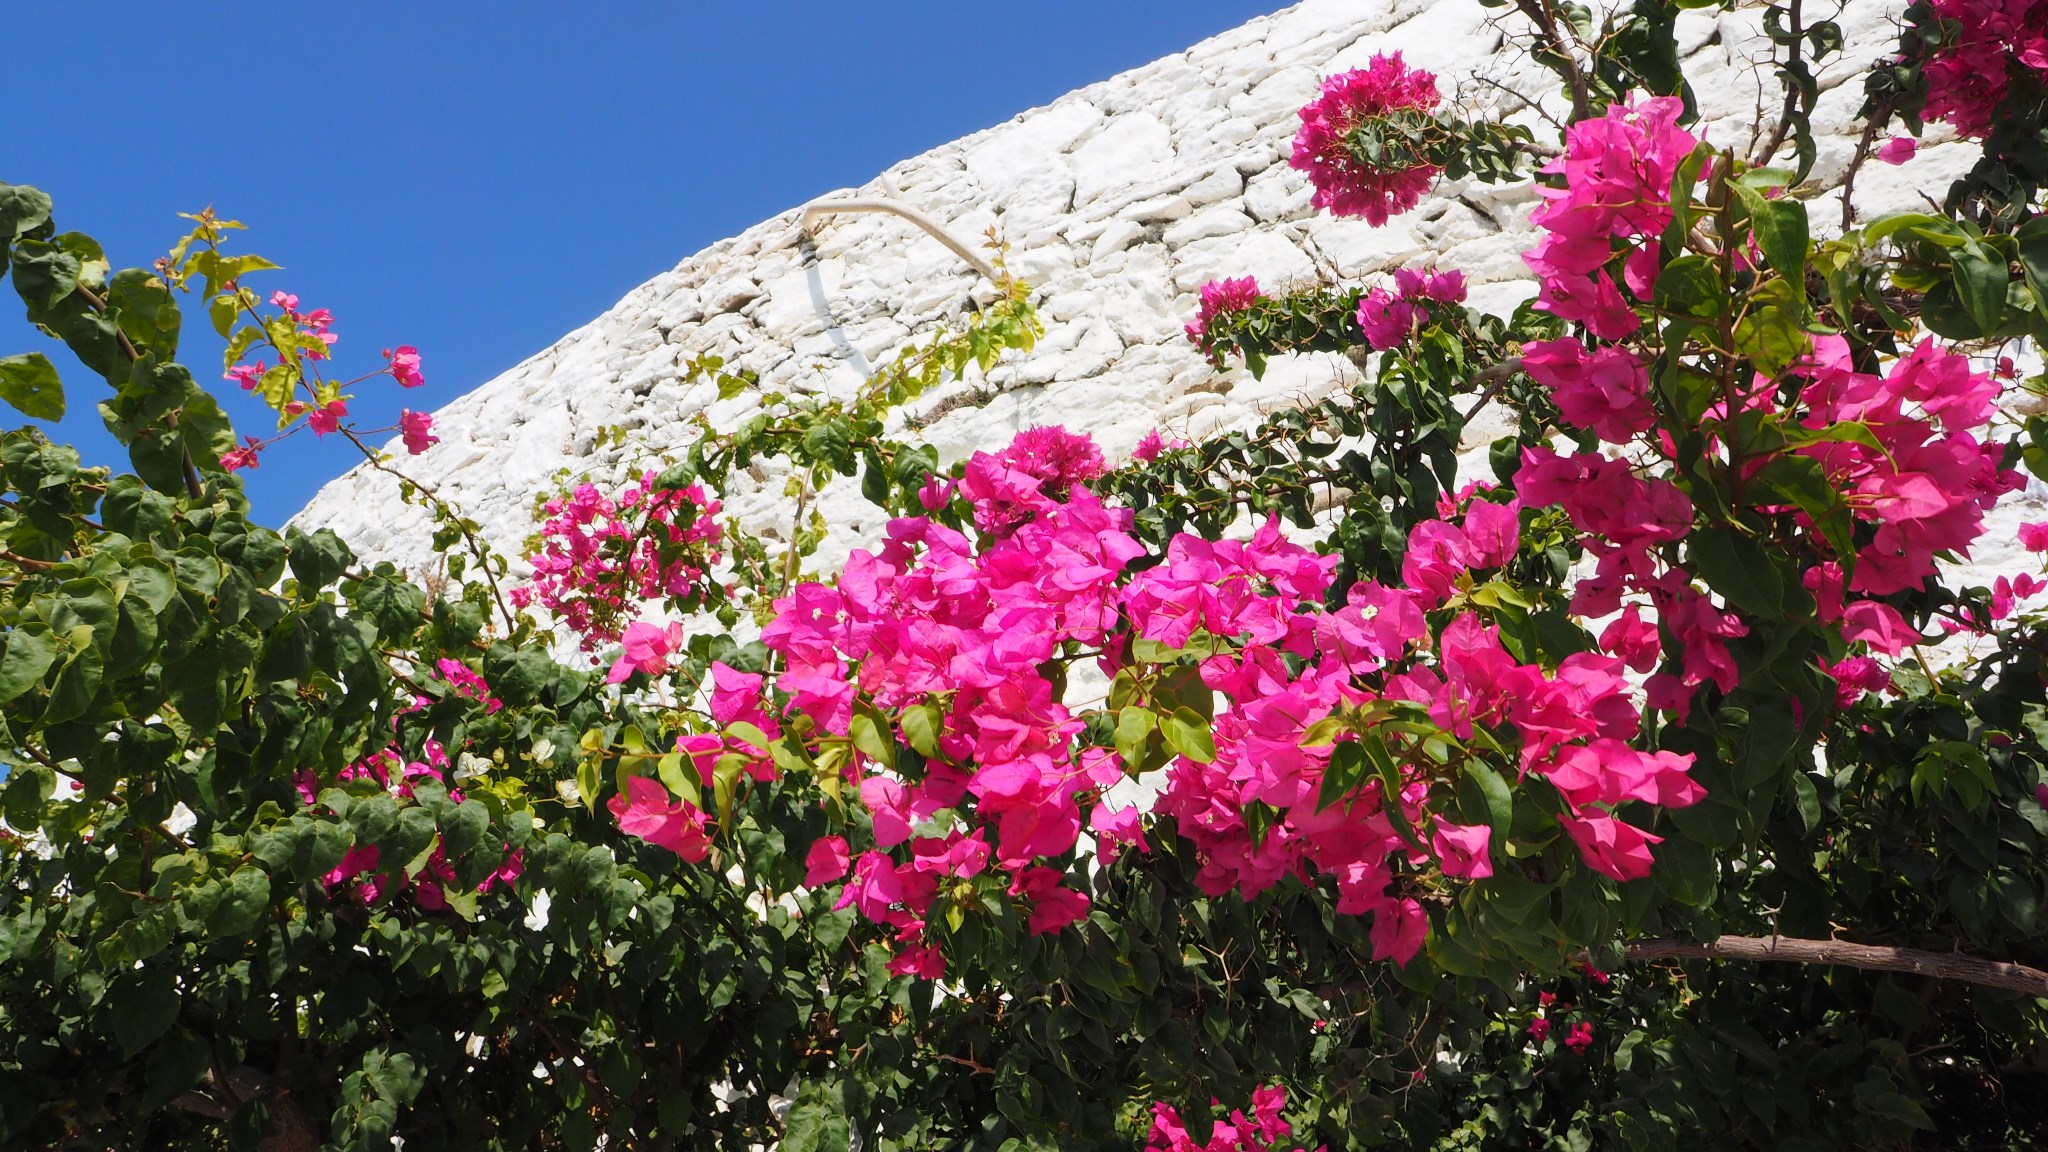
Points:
[(418, 430), (1898, 149), (647, 811), (1153, 444), (405, 366), (1219, 297), (236, 459), (1387, 320), (1539, 1028), (1461, 849), (1116, 829), (1855, 675), (646, 648), (1345, 183), (246, 375), (1633, 640), (1983, 46), (327, 417), (1580, 1037), (1607, 391), (2034, 537), (1879, 625), (920, 960), (1612, 847), (1398, 931), (827, 861)]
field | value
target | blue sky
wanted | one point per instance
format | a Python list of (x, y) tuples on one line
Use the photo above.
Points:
[(478, 179)]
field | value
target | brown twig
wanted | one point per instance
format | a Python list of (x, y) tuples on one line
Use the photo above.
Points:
[(1540, 13), (1794, 97), (476, 548), (1494, 378), (1876, 958), (1856, 165)]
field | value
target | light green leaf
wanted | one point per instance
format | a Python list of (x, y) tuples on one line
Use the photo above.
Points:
[(1188, 734), (29, 382)]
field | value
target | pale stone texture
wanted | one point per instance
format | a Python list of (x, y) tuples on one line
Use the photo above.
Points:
[(1120, 200)]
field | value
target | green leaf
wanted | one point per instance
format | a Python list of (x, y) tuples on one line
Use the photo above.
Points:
[(143, 1004), (871, 737), (1807, 798), (29, 382), (1346, 771), (31, 649), (242, 904), (463, 828), (1780, 228), (1739, 569), (920, 725), (1133, 731), (1188, 734), (1980, 278), (317, 560), (23, 209), (1692, 285), (1493, 793), (44, 274), (393, 606)]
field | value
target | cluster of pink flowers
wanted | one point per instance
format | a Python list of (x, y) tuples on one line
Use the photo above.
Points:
[(1346, 184), (317, 324), (1389, 318), (1915, 470), (967, 635), (1575, 722), (357, 874), (1219, 297), (1578, 1037), (598, 555), (1240, 1133), (931, 619), (1991, 42), (1927, 481), (416, 428), (468, 682), (1615, 204)]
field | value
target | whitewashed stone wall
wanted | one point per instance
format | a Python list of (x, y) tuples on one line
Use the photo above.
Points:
[(1120, 199)]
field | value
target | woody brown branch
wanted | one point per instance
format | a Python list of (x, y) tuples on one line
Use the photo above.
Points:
[(1877, 958)]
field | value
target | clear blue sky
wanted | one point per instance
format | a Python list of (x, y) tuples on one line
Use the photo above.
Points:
[(478, 179)]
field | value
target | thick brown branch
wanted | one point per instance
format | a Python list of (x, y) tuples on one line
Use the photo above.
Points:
[(1940, 965)]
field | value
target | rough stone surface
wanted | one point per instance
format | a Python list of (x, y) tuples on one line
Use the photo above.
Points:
[(1120, 200)]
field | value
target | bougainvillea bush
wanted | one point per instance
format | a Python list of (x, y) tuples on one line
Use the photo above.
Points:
[(1648, 775)]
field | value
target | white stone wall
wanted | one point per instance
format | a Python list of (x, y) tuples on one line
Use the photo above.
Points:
[(1120, 200)]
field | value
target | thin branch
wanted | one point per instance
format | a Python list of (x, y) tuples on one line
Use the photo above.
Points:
[(1876, 958), (476, 548), (1494, 379), (1544, 17), (1870, 126), (1794, 95)]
